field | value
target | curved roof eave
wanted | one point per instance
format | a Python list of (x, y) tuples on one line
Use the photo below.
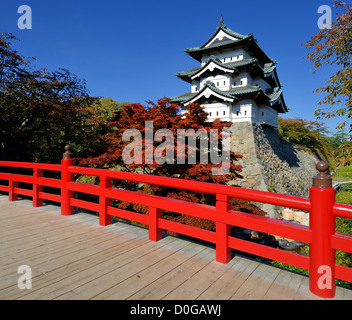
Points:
[(274, 75), (218, 64), (281, 102), (216, 92)]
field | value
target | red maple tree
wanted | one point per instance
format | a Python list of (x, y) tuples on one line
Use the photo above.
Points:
[(165, 115)]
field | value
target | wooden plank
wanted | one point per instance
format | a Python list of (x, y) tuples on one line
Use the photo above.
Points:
[(129, 286), (107, 268), (303, 292), (170, 281), (111, 240), (59, 238), (54, 230), (285, 286), (47, 260), (257, 284), (53, 242), (199, 282), (343, 293), (20, 232), (50, 246), (53, 273), (112, 277), (239, 270), (71, 246)]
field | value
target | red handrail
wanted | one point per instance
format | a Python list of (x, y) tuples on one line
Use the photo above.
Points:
[(203, 187), (320, 235)]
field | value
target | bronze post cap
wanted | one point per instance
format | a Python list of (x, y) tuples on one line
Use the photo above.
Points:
[(67, 154), (322, 179)]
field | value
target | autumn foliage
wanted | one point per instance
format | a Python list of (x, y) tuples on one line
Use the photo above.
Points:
[(311, 134), (332, 46), (165, 115)]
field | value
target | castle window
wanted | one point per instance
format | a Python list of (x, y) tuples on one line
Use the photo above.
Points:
[(262, 114), (245, 113), (231, 59), (209, 114), (237, 112), (217, 83), (217, 113), (224, 112), (241, 83), (224, 83)]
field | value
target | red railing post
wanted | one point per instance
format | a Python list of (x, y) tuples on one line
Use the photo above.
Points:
[(104, 202), (37, 173), (12, 195), (223, 231), (66, 177), (322, 225), (155, 233)]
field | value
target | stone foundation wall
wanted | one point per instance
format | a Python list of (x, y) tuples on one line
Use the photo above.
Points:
[(270, 164)]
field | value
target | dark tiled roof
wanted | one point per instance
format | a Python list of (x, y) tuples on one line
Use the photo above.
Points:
[(246, 41), (183, 97), (216, 46), (235, 65), (237, 94), (228, 32)]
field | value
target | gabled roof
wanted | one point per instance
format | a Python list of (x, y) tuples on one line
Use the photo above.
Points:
[(208, 90), (275, 99), (267, 71), (233, 40), (213, 63), (232, 35)]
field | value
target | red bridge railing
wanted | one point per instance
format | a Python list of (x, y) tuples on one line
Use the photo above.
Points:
[(320, 234)]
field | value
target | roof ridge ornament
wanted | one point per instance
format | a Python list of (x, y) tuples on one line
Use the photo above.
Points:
[(221, 24)]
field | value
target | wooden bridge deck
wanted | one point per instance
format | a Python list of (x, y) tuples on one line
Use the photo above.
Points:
[(72, 257)]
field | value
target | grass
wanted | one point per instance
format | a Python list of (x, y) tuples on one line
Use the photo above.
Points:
[(343, 174), (344, 197)]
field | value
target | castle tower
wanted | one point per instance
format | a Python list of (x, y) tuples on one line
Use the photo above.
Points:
[(236, 81)]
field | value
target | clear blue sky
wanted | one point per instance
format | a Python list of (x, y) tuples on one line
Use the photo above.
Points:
[(131, 50)]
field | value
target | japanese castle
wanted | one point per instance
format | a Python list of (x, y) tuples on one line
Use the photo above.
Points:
[(236, 82)]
